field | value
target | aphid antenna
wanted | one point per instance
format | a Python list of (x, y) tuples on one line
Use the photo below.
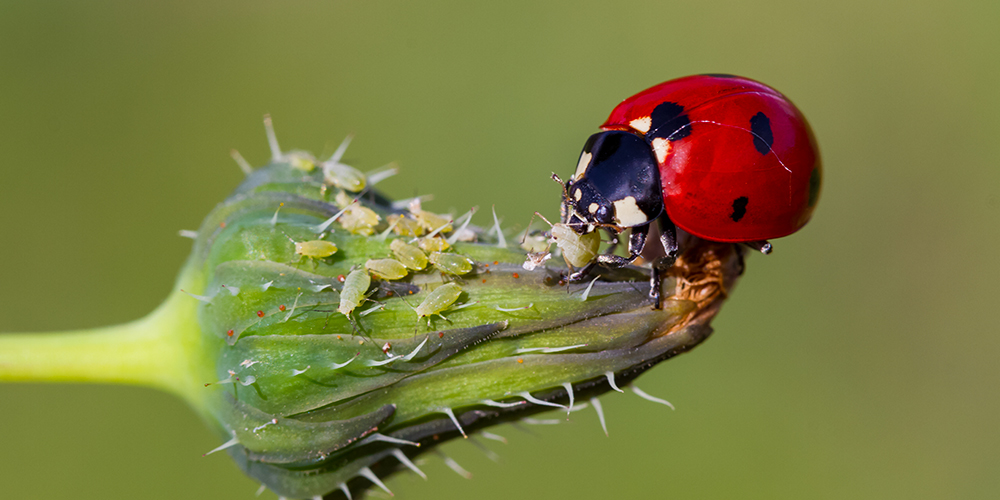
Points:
[(272, 139), (243, 164)]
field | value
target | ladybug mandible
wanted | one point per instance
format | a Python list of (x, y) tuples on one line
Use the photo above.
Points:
[(722, 157)]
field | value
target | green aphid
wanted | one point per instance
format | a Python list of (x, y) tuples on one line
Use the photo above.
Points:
[(353, 294), (437, 301), (387, 269), (452, 263), (315, 249), (577, 249), (411, 256)]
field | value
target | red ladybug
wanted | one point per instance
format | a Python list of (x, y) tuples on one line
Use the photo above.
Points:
[(722, 157)]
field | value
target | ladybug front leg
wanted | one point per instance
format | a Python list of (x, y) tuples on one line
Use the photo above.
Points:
[(671, 250), (636, 242)]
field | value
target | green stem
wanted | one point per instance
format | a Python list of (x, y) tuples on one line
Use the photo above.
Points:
[(160, 351)]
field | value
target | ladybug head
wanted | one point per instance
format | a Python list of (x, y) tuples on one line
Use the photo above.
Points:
[(616, 184)]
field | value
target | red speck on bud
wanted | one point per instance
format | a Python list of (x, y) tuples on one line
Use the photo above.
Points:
[(222, 224), (230, 333), (516, 276), (440, 335), (496, 262), (281, 307), (260, 314), (341, 278)]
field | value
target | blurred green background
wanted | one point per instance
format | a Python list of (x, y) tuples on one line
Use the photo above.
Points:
[(858, 361)]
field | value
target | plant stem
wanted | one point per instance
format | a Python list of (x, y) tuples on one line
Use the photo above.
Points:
[(156, 351)]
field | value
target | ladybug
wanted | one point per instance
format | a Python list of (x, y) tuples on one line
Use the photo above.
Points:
[(721, 157)]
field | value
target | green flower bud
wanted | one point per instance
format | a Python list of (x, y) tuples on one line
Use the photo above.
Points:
[(324, 365)]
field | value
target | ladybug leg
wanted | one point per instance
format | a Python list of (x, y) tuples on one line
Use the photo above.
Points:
[(581, 273), (668, 239), (636, 242), (762, 246)]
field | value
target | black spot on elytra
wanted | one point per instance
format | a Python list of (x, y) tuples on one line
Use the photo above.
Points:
[(669, 122), (739, 208), (763, 138), (719, 75)]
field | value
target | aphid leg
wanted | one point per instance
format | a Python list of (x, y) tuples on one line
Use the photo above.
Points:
[(671, 250), (762, 246)]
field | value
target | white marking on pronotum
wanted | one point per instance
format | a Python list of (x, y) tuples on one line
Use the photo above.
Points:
[(661, 147), (296, 373), (586, 293), (628, 213), (468, 218), (611, 380), (273, 421), (267, 285), (187, 233), (337, 366), (244, 165), (490, 454), (494, 437), (453, 465), (512, 309), (581, 166), (227, 444), (569, 391), (642, 124), (501, 241), (539, 421), (272, 139), (382, 174), (403, 459), (531, 399), (386, 439), (547, 350), (369, 475), (292, 310), (497, 404), (454, 419), (322, 227), (347, 491), (642, 394), (203, 298), (600, 414)]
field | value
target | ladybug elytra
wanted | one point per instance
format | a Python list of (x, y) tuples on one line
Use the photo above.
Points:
[(721, 157)]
